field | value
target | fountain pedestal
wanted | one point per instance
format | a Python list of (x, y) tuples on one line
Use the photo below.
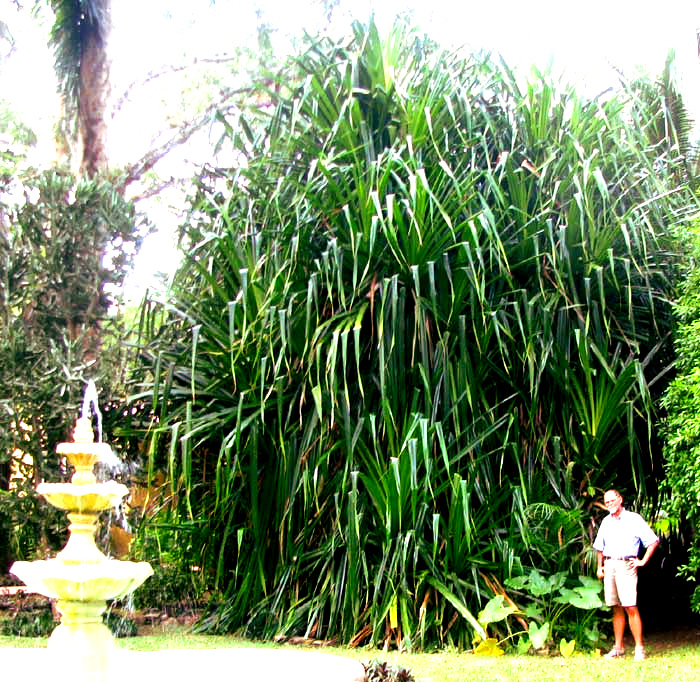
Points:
[(82, 645), (81, 578)]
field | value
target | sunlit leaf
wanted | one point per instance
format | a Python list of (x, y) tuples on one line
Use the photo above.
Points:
[(495, 610), (567, 648), (538, 634), (489, 647)]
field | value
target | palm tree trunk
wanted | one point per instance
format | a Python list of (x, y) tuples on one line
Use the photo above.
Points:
[(94, 96)]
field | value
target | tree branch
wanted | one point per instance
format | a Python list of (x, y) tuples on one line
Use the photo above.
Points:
[(166, 71), (137, 170)]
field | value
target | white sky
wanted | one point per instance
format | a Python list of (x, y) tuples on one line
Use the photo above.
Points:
[(584, 39), (581, 35)]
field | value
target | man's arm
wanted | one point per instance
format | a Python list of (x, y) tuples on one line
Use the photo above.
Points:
[(647, 555), (601, 568)]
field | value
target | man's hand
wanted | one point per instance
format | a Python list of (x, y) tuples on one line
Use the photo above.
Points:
[(601, 571)]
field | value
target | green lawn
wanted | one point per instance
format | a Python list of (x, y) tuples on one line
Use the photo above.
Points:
[(677, 663)]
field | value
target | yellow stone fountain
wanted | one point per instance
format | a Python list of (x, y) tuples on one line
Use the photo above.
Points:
[(81, 578)]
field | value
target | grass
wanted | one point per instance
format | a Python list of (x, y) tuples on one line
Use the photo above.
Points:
[(678, 663)]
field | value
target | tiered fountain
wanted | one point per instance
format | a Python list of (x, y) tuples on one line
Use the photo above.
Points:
[(81, 578)]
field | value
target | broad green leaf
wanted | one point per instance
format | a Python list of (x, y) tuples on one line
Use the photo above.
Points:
[(557, 580), (538, 634), (517, 583), (533, 612), (590, 583), (537, 585), (580, 597), (495, 610), (523, 645)]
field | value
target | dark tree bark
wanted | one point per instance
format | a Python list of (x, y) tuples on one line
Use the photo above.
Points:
[(94, 98)]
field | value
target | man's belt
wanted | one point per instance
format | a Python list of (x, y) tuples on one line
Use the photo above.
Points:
[(614, 558)]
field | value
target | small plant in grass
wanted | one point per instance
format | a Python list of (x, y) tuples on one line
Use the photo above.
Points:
[(549, 610), (380, 671), (495, 611)]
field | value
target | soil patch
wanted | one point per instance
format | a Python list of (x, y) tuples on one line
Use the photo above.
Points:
[(681, 636)]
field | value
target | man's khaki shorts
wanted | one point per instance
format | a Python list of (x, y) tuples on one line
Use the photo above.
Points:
[(620, 583)]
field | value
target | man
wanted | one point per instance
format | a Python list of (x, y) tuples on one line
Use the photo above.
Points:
[(617, 543)]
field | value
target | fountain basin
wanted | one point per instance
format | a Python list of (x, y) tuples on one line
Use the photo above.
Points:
[(81, 456), (84, 582), (82, 498)]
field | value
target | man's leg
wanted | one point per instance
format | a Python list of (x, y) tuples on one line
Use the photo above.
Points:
[(618, 619), (635, 624), (627, 590), (618, 612)]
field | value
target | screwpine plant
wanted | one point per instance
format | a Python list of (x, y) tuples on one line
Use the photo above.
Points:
[(410, 340)]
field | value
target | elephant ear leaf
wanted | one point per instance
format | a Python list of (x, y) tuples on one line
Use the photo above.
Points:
[(567, 648), (495, 611), (516, 583), (538, 634), (590, 583), (538, 585), (580, 597), (523, 645), (489, 647)]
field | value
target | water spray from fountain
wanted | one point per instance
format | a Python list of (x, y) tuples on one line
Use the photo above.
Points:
[(91, 407), (90, 400)]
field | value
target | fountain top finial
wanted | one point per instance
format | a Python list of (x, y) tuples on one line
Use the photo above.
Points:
[(83, 431), (83, 453)]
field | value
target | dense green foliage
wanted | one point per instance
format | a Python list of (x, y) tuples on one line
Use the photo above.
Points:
[(411, 341), (65, 242), (682, 425)]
